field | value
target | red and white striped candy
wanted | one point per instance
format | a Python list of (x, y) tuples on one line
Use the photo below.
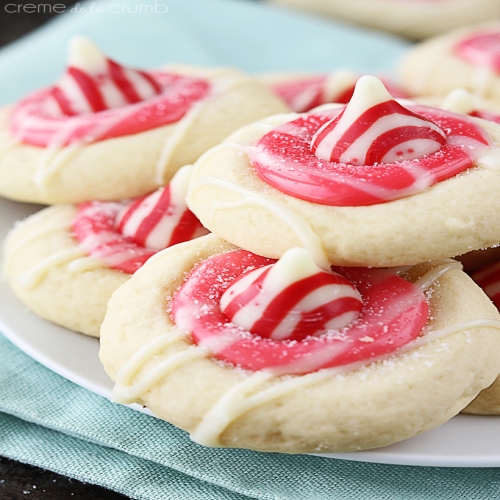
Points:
[(162, 218), (291, 299), (126, 236), (98, 99), (94, 83), (303, 93), (375, 129)]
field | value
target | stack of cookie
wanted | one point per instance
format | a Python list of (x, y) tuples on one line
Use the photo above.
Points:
[(324, 312)]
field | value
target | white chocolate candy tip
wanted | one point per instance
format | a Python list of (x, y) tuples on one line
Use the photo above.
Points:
[(85, 55), (294, 265), (369, 91), (459, 101), (346, 75)]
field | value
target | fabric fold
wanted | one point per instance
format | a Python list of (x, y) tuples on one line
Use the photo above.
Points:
[(52, 423)]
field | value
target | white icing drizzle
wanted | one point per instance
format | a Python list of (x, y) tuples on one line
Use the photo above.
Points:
[(172, 141), (230, 406), (297, 224), (56, 156), (262, 126), (462, 101), (7, 142), (236, 402), (86, 264), (30, 238), (53, 161), (34, 276), (489, 158), (77, 258), (425, 281), (126, 392)]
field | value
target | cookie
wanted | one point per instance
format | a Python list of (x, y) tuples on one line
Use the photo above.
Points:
[(465, 58), (108, 132), (410, 18), (407, 185), (344, 359), (65, 261)]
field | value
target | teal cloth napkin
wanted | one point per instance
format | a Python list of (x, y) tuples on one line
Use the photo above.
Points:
[(53, 423), (48, 421)]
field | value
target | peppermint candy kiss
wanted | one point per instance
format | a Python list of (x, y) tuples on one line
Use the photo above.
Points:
[(307, 92), (124, 236), (98, 99), (94, 83), (303, 93), (375, 129), (162, 218), (291, 299)]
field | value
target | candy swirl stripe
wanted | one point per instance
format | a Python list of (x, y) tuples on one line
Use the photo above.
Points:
[(369, 138), (95, 227), (394, 313), (488, 278), (33, 120), (81, 92), (158, 221), (283, 159), (305, 93)]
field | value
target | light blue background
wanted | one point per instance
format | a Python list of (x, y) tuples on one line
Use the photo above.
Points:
[(254, 36)]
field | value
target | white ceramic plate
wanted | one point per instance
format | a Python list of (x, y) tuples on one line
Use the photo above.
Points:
[(465, 441)]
